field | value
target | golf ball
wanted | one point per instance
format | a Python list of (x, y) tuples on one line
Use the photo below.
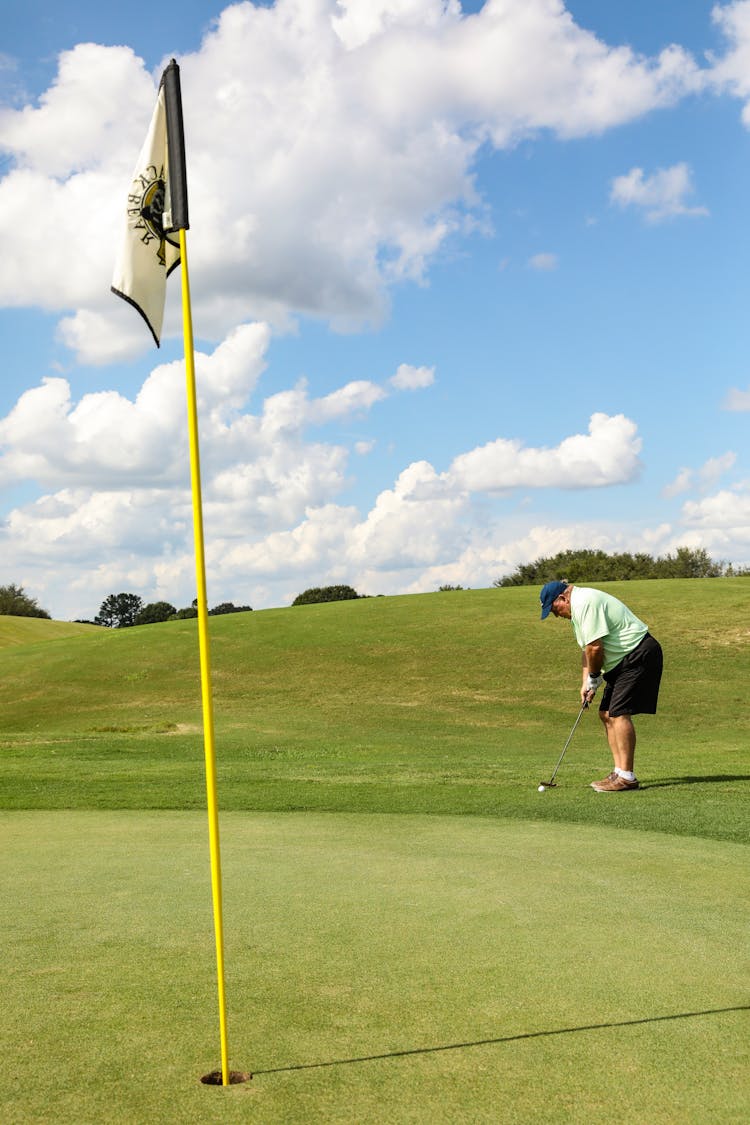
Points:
[(541, 789)]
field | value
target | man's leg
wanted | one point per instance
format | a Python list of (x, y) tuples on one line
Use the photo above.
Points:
[(620, 734)]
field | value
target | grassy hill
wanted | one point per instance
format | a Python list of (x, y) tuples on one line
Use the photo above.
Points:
[(32, 630), (448, 702), (448, 946)]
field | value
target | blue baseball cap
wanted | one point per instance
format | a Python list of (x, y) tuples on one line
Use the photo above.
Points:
[(549, 592)]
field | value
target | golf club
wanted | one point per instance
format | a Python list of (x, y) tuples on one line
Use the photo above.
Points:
[(551, 784)]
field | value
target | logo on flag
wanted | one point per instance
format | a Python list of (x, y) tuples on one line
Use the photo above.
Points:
[(150, 249), (146, 209)]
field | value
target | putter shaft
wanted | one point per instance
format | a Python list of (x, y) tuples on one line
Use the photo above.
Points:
[(551, 783)]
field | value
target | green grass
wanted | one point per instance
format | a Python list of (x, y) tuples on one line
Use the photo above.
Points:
[(413, 932), (445, 703), (379, 968), (31, 630)]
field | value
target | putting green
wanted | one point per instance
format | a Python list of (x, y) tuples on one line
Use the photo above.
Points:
[(380, 968)]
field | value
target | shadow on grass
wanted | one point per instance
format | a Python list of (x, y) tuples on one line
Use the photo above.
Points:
[(668, 782), (502, 1039)]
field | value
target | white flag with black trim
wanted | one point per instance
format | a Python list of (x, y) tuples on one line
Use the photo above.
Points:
[(150, 247)]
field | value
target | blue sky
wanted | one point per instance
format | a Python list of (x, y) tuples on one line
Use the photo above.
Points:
[(469, 287)]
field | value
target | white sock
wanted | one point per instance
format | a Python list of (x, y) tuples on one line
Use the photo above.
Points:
[(626, 775)]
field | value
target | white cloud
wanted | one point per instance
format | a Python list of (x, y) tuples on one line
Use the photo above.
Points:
[(362, 20), (79, 124), (728, 510), (408, 378), (121, 498), (353, 398), (412, 524), (681, 483), (544, 262), (332, 146), (711, 470), (607, 455), (738, 401), (106, 440), (330, 150), (270, 493), (99, 338), (661, 195), (704, 478), (732, 72), (313, 546), (121, 504), (80, 524)]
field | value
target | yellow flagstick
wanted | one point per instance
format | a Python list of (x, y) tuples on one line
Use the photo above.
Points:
[(141, 271), (205, 654)]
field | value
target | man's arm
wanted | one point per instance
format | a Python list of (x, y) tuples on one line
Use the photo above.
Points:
[(592, 660)]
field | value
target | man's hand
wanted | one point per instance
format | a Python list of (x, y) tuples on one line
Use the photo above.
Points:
[(593, 683)]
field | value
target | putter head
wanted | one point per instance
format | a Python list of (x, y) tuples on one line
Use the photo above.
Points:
[(547, 785)]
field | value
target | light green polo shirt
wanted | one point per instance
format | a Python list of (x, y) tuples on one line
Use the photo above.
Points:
[(597, 616)]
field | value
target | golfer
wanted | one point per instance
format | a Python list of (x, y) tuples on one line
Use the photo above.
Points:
[(618, 649)]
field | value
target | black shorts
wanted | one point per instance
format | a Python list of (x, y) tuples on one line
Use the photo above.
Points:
[(633, 684)]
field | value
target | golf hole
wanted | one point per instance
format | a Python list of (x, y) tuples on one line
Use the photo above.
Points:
[(215, 1078)]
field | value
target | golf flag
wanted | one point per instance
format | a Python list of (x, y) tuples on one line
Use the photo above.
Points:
[(156, 209)]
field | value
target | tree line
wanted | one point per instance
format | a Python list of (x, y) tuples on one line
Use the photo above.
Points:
[(126, 610), (122, 611), (597, 566)]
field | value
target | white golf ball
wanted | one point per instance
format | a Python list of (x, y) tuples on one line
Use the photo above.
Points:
[(541, 789)]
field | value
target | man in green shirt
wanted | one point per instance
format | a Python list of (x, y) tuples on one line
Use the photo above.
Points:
[(618, 649)]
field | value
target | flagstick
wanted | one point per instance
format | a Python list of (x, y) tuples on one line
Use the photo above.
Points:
[(205, 656)]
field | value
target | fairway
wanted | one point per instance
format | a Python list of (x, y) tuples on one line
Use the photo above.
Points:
[(413, 933), (379, 968)]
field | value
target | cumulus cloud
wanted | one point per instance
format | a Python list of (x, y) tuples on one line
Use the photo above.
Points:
[(120, 502), (331, 151), (408, 378), (728, 510), (732, 72), (118, 468), (108, 440), (607, 455), (410, 524), (661, 195), (362, 20)]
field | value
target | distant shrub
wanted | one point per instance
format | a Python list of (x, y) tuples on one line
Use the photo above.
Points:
[(444, 589), (153, 612), (119, 611), (326, 594), (16, 603), (596, 566), (223, 607)]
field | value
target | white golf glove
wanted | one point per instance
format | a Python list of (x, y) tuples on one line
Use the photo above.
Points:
[(593, 682)]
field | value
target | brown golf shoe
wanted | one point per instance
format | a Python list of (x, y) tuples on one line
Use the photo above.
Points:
[(604, 780), (615, 784)]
